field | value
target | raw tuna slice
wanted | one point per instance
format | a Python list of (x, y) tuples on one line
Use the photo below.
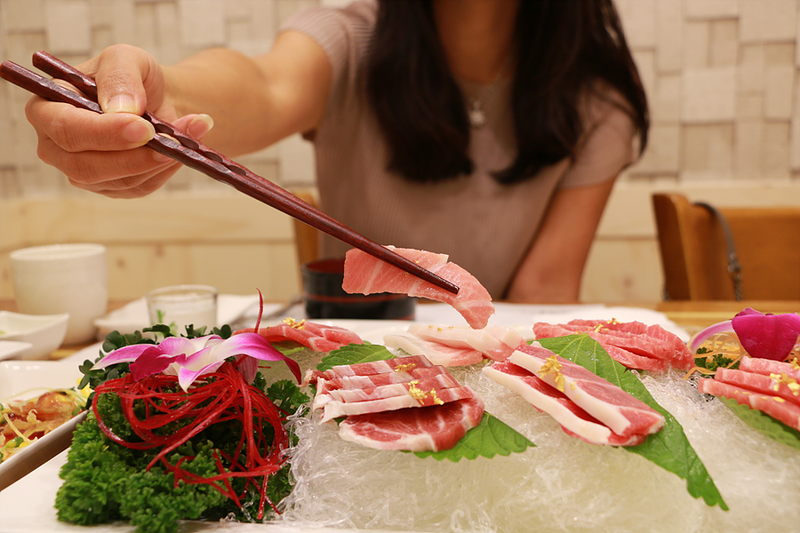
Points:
[(633, 344), (415, 397), (774, 406), (621, 412), (398, 364), (439, 354), (417, 430), (624, 357), (494, 342), (768, 366), (435, 383), (316, 337), (377, 380), (366, 274), (779, 385), (574, 420)]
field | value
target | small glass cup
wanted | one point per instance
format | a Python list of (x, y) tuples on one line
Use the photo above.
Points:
[(183, 305)]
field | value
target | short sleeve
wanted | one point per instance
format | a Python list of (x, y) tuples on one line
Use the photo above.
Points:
[(343, 33), (608, 147)]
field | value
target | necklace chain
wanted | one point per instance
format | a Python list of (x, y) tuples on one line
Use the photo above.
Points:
[(475, 113)]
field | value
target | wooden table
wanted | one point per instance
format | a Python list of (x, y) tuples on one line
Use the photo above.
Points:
[(694, 316)]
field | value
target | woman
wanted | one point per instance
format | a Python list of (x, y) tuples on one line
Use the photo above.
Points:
[(489, 130)]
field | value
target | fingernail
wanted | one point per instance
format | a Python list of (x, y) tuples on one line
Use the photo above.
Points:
[(122, 103), (139, 131), (200, 125)]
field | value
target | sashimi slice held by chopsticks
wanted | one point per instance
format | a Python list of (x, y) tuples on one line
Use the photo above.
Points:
[(364, 274)]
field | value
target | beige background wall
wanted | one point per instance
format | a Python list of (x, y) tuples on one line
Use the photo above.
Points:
[(721, 76)]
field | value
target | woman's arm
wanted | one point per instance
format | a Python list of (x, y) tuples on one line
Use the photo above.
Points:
[(254, 102), (551, 271)]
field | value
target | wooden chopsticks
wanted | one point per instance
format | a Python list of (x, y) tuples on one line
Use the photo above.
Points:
[(194, 154)]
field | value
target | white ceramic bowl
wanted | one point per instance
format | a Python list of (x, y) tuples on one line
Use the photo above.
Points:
[(44, 332), (10, 349)]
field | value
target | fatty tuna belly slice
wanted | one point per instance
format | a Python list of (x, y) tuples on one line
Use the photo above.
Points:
[(640, 359), (437, 383), (316, 337), (376, 380), (398, 364), (574, 420), (419, 429), (758, 365), (774, 385), (415, 398), (437, 353), (621, 412), (365, 274), (494, 342), (774, 406)]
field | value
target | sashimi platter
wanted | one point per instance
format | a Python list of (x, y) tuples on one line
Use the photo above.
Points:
[(584, 425)]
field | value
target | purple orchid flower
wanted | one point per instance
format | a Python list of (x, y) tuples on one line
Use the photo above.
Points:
[(191, 358), (764, 336)]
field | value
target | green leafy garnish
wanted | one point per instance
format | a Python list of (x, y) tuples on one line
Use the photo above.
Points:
[(353, 354), (763, 423), (489, 438), (104, 481), (712, 362), (669, 448)]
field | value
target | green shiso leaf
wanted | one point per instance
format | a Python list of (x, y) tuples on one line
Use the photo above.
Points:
[(353, 354), (772, 428), (669, 448), (489, 438)]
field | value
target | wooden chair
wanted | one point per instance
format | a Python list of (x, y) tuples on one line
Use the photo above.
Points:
[(306, 237), (695, 252)]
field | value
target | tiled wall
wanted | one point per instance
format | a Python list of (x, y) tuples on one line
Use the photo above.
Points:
[(721, 77), (720, 74)]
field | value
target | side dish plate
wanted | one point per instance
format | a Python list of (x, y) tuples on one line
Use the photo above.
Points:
[(28, 379)]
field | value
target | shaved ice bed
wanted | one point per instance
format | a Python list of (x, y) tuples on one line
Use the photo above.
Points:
[(563, 484)]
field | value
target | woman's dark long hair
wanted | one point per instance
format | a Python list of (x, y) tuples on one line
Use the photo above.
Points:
[(563, 48)]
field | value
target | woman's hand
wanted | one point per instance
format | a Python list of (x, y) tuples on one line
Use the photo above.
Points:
[(105, 153)]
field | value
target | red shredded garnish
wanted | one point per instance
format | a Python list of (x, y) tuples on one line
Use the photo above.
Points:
[(219, 397)]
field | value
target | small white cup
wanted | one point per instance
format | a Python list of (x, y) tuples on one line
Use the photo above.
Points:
[(63, 278), (181, 305)]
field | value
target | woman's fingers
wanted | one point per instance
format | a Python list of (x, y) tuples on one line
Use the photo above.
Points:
[(129, 80), (93, 167), (77, 130)]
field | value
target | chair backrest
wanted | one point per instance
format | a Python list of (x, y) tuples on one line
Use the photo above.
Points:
[(306, 237), (694, 251)]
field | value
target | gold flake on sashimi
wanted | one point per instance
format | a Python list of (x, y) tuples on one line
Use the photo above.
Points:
[(552, 366), (604, 325), (407, 367), (782, 378), (296, 324), (420, 395)]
